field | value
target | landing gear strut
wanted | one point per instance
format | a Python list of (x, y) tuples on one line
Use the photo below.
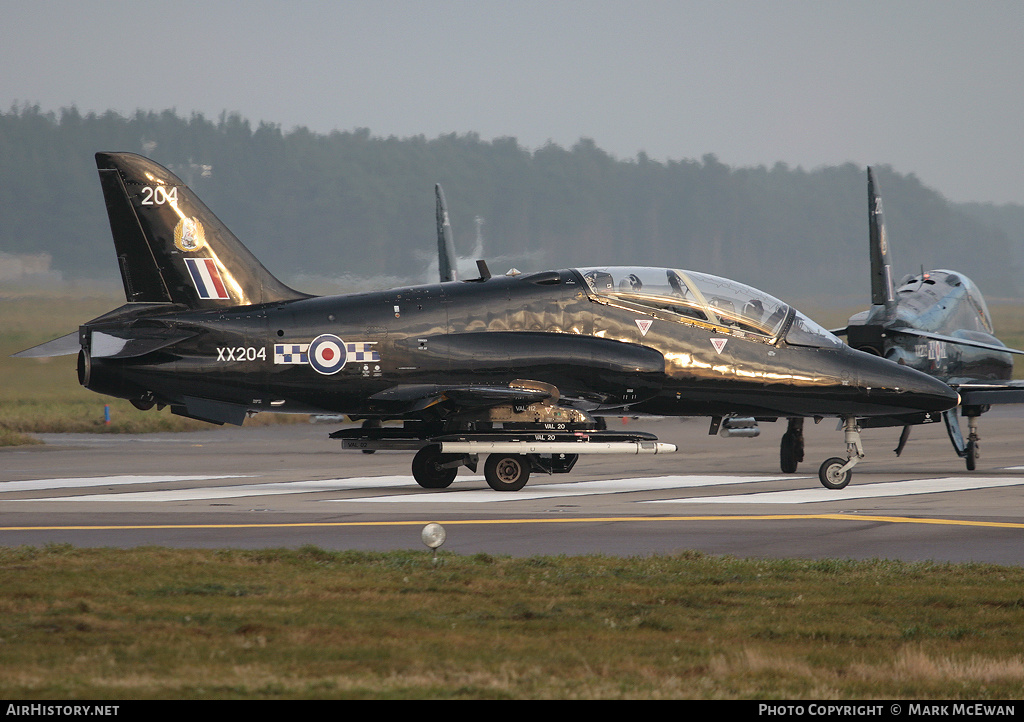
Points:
[(969, 451), (835, 473)]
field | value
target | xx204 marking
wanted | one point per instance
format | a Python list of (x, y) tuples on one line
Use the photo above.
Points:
[(241, 353)]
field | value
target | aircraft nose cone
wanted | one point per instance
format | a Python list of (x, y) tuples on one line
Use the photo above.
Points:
[(933, 395), (912, 389)]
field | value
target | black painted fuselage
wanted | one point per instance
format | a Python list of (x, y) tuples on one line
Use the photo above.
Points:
[(388, 351)]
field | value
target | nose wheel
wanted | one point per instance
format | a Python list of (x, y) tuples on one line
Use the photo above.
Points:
[(835, 473)]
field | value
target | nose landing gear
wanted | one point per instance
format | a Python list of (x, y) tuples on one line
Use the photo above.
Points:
[(835, 473)]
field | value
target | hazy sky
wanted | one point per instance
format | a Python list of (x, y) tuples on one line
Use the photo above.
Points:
[(931, 87)]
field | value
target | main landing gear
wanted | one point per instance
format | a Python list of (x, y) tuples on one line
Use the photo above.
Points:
[(791, 452), (968, 450)]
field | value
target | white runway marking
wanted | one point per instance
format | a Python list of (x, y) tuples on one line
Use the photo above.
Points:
[(865, 491), (87, 481), (457, 493), (453, 495), (232, 492), (473, 490)]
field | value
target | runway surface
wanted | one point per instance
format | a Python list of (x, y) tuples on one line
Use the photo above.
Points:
[(290, 485)]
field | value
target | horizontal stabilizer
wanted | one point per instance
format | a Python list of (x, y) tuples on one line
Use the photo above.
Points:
[(63, 346), (134, 344)]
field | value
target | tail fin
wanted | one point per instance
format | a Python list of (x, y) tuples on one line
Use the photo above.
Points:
[(883, 291), (171, 248), (446, 262)]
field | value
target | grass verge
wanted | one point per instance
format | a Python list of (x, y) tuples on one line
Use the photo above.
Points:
[(152, 623)]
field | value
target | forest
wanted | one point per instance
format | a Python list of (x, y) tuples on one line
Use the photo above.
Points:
[(353, 208)]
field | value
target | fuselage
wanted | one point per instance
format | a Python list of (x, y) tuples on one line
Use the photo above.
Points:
[(948, 305), (360, 354)]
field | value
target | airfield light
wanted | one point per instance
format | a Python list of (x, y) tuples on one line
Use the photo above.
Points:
[(433, 535)]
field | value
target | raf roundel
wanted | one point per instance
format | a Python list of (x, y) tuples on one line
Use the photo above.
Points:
[(327, 354)]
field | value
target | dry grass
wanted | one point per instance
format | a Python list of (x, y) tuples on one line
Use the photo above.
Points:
[(158, 623)]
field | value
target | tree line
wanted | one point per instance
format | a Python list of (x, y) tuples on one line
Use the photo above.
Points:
[(349, 203)]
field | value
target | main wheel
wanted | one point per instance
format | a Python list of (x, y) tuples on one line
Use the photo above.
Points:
[(791, 452), (507, 472), (971, 455), (830, 476), (428, 469)]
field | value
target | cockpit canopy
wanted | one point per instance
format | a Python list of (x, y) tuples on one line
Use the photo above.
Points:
[(920, 293), (690, 295)]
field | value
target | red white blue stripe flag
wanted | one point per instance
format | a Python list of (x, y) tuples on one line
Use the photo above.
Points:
[(206, 277)]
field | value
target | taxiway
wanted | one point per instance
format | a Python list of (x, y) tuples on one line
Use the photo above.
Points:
[(290, 485)]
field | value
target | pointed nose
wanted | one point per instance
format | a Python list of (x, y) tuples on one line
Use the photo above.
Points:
[(907, 388)]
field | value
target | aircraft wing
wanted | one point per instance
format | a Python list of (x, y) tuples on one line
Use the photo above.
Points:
[(976, 393), (907, 331)]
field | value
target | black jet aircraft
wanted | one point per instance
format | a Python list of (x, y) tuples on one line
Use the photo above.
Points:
[(512, 366), (936, 322)]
